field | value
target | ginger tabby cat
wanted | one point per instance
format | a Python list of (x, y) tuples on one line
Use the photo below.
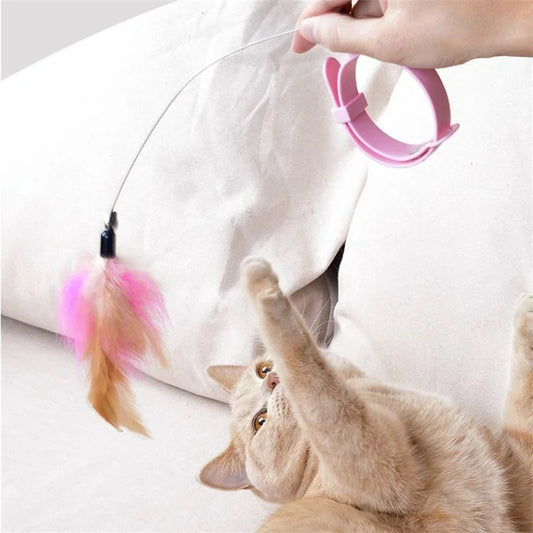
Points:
[(345, 453)]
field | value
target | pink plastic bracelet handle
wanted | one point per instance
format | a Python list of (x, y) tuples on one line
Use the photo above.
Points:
[(351, 106)]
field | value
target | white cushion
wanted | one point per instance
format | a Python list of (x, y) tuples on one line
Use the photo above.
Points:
[(438, 254), (247, 161)]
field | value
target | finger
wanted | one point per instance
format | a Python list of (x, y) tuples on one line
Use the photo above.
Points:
[(313, 9), (341, 33), (368, 9), (300, 44)]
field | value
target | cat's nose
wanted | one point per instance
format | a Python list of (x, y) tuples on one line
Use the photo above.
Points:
[(272, 380)]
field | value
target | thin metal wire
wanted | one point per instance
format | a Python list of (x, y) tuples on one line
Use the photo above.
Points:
[(182, 88)]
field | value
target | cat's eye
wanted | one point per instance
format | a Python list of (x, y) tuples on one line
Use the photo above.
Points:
[(259, 420), (263, 368)]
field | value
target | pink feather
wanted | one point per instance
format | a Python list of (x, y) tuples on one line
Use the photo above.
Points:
[(113, 316)]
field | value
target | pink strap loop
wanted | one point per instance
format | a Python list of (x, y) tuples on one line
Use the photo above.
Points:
[(350, 110)]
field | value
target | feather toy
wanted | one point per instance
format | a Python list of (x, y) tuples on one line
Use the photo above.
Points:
[(113, 317)]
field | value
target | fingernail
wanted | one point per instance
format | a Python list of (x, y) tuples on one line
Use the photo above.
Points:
[(309, 29)]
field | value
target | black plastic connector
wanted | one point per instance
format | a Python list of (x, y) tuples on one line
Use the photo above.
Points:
[(108, 238)]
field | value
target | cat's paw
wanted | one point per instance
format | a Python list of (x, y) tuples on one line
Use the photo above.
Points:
[(523, 319), (259, 276)]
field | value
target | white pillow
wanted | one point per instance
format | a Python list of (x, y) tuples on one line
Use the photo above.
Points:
[(247, 161), (438, 254)]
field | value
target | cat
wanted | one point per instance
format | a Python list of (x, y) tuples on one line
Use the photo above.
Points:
[(345, 453)]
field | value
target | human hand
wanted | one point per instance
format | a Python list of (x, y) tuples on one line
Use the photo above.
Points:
[(419, 33)]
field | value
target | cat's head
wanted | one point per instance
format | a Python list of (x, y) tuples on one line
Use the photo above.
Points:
[(268, 452)]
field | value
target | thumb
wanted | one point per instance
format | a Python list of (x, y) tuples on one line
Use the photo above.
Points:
[(341, 33)]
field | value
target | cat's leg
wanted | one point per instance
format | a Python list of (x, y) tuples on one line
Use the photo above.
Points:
[(363, 448), (518, 418), (314, 515), (518, 421)]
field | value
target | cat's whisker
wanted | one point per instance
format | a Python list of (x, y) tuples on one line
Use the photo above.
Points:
[(319, 314), (304, 305), (314, 333)]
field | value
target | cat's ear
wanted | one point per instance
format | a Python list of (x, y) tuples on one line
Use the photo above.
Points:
[(226, 471), (226, 375)]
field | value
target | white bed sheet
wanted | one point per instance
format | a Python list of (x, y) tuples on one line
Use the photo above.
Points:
[(65, 469)]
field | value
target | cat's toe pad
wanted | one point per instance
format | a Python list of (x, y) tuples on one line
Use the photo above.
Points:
[(270, 295), (273, 303), (259, 275)]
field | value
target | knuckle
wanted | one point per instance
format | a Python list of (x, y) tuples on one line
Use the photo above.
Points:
[(333, 38)]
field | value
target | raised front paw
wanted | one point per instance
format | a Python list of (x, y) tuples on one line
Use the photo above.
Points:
[(259, 276)]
